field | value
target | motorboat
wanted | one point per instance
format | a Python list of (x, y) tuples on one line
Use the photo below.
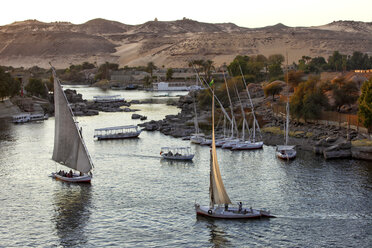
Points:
[(177, 153)]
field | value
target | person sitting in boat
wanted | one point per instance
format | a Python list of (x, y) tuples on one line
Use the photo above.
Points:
[(177, 154), (240, 206), (226, 207), (170, 153)]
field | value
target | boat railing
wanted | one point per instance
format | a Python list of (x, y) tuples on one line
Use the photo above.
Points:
[(116, 130)]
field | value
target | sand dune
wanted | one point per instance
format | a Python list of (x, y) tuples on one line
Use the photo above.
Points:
[(171, 44)]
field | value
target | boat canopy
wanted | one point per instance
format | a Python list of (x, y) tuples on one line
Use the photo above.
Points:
[(284, 148), (182, 150), (116, 128)]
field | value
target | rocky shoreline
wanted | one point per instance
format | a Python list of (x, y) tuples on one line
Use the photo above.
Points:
[(329, 141), (82, 107)]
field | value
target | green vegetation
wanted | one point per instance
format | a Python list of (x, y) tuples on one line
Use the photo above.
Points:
[(336, 62), (254, 67), (258, 68), (104, 71), (169, 74), (308, 100), (280, 131), (272, 89), (295, 77), (344, 92), (36, 87), (8, 86), (206, 66), (275, 66), (74, 72), (150, 68), (365, 105), (362, 142)]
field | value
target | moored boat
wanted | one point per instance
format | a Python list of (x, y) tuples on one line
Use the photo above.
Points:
[(247, 145), (286, 151)]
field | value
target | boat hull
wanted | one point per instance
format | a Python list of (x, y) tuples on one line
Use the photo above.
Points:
[(186, 157), (247, 146), (74, 179), (231, 213), (196, 140), (286, 156), (110, 137)]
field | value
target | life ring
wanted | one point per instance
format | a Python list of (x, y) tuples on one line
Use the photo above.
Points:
[(210, 211)]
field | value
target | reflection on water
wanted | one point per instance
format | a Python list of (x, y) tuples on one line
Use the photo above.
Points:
[(5, 126), (71, 213), (217, 234), (176, 163)]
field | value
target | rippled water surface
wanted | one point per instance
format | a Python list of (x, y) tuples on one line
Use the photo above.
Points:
[(137, 200)]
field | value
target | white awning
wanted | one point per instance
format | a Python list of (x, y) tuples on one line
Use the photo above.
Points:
[(116, 128)]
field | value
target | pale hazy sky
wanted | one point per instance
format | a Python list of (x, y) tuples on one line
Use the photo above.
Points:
[(245, 13)]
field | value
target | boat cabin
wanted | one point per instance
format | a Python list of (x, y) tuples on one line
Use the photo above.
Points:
[(119, 132), (21, 118)]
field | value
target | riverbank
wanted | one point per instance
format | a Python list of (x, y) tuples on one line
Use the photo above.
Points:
[(329, 141)]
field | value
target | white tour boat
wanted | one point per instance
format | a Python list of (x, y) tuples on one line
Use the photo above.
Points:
[(219, 200), (21, 118), (38, 117), (119, 132), (69, 147), (177, 153), (106, 99), (27, 117)]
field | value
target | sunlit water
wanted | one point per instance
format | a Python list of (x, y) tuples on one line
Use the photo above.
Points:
[(137, 200)]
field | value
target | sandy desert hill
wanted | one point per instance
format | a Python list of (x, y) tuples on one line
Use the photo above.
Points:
[(172, 43)]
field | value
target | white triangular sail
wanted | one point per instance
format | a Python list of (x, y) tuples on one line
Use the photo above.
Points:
[(69, 147), (217, 192)]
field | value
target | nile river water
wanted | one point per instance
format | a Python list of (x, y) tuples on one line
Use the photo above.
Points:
[(138, 200)]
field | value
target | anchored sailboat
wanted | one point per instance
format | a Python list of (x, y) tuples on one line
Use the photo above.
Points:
[(286, 151), (196, 137), (219, 199), (252, 143), (69, 147)]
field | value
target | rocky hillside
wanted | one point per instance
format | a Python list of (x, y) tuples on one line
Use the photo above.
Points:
[(172, 43)]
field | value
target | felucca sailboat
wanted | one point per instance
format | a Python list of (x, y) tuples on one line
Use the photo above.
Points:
[(286, 151), (218, 198), (69, 147)]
